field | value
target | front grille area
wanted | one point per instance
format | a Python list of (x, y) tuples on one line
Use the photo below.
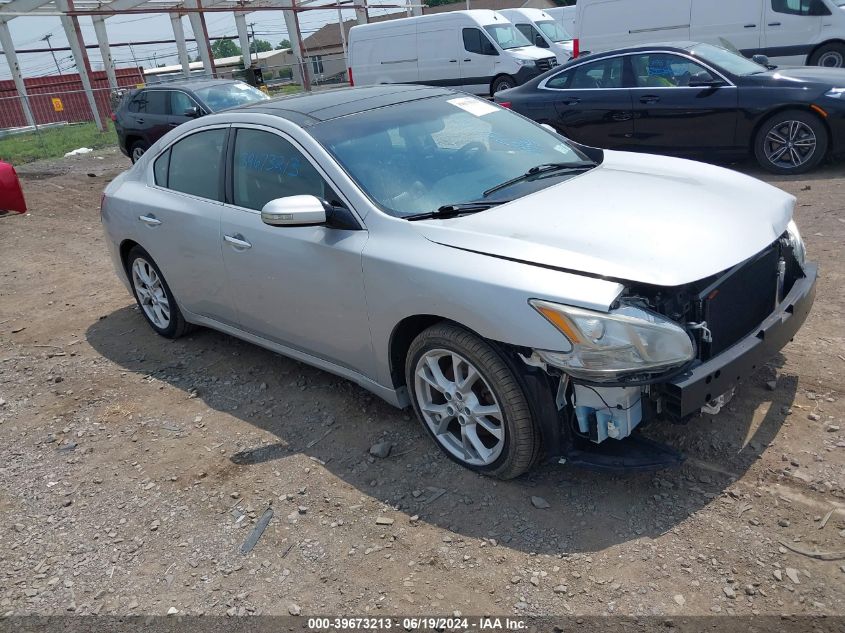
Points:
[(546, 63)]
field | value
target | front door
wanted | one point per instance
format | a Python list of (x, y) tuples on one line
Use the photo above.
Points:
[(670, 115), (478, 60), (149, 114), (302, 287), (592, 105), (792, 27)]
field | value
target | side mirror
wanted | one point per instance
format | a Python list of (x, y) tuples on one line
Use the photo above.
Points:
[(11, 194), (294, 211), (761, 59), (540, 42), (193, 113), (548, 127), (704, 80)]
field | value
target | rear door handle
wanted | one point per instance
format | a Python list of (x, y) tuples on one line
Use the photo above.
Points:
[(750, 26), (454, 61), (174, 124), (237, 240), (467, 60), (141, 121), (149, 220), (649, 99), (774, 23)]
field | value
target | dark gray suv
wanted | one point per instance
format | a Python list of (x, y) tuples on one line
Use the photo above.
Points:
[(145, 115)]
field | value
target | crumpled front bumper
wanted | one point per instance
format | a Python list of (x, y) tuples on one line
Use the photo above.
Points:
[(687, 392)]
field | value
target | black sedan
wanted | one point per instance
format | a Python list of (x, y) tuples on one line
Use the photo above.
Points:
[(692, 99), (145, 115)]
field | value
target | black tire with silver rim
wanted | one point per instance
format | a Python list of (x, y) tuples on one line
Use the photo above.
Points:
[(830, 55), (505, 82), (154, 296), (137, 150), (470, 402), (791, 142)]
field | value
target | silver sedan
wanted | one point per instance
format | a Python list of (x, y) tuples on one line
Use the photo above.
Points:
[(526, 295)]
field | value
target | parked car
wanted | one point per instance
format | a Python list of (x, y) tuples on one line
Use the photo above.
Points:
[(794, 32), (566, 17), (541, 29), (477, 51), (145, 115), (525, 294), (11, 194), (690, 98)]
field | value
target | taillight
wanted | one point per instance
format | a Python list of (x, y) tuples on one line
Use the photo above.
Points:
[(113, 117), (505, 104), (576, 48), (351, 81)]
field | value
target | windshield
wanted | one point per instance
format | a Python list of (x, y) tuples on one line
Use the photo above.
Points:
[(555, 32), (506, 36), (839, 3), (418, 156), (229, 95), (732, 62)]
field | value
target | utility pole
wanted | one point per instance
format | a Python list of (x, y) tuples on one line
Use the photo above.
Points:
[(134, 59), (46, 38), (254, 43)]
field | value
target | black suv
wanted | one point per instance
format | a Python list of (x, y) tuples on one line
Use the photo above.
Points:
[(145, 115)]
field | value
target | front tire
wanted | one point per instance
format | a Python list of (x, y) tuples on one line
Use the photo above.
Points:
[(791, 142), (470, 402), (504, 82), (829, 56), (154, 296)]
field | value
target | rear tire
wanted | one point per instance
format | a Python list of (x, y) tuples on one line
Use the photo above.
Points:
[(137, 150), (791, 142), (470, 402), (830, 55), (503, 82), (156, 301)]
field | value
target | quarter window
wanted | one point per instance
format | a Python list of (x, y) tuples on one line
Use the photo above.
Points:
[(194, 164), (662, 70), (800, 7), (267, 167), (476, 42)]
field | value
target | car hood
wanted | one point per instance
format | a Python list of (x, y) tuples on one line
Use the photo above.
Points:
[(636, 217), (532, 53)]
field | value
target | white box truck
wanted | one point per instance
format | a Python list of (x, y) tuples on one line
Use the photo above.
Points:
[(540, 28), (478, 51), (788, 32)]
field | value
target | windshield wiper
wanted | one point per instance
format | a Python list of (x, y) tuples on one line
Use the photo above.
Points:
[(540, 170), (454, 210)]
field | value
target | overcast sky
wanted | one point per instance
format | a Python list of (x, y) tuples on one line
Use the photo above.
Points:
[(27, 32)]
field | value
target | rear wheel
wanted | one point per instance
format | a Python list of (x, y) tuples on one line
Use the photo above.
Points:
[(791, 142), (154, 296), (830, 56), (137, 150), (504, 82), (470, 402)]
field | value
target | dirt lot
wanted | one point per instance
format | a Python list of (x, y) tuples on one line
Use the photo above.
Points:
[(133, 468)]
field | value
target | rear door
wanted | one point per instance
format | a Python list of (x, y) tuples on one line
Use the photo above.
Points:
[(792, 26), (733, 24), (592, 104), (670, 115), (150, 114)]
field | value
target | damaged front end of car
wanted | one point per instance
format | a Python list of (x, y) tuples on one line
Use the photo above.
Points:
[(668, 353)]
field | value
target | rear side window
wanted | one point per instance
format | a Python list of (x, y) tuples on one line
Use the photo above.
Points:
[(150, 102), (194, 164), (604, 73), (138, 102), (476, 42), (267, 167), (800, 7)]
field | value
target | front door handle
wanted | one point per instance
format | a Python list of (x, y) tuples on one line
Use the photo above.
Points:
[(140, 121), (149, 220), (467, 60), (750, 26), (174, 124), (649, 99), (774, 23), (237, 240)]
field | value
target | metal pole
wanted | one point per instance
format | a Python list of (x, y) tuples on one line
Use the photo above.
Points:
[(80, 57), (306, 79), (105, 50), (12, 59), (52, 52), (205, 41), (181, 47), (342, 34), (243, 37)]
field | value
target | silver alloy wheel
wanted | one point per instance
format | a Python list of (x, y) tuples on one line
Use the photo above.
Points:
[(137, 152), (790, 144), (459, 407), (151, 294), (831, 59)]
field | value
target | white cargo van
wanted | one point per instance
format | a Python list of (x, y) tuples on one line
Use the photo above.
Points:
[(542, 30), (566, 17), (478, 51), (789, 32)]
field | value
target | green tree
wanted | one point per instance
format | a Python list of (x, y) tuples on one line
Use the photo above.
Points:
[(260, 46), (225, 48), (283, 44)]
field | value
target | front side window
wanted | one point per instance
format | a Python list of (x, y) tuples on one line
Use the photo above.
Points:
[(179, 102), (230, 95), (476, 42), (664, 70), (416, 157), (267, 167), (531, 35), (194, 165), (800, 7), (506, 36)]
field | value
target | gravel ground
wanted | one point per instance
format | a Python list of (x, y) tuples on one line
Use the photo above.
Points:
[(132, 469)]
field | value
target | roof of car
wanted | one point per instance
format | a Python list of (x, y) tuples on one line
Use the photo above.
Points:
[(191, 84), (329, 104), (663, 46)]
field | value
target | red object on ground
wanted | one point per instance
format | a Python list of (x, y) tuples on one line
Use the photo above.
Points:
[(11, 194)]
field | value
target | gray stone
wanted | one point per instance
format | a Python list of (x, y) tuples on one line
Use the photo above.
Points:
[(539, 502), (381, 449)]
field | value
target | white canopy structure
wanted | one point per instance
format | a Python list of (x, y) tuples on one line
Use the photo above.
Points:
[(69, 12)]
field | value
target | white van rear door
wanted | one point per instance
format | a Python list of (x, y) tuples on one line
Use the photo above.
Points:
[(790, 30), (737, 24), (439, 54)]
